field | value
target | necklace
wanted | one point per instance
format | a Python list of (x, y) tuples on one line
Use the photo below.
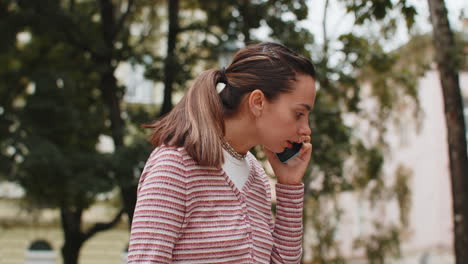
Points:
[(232, 151)]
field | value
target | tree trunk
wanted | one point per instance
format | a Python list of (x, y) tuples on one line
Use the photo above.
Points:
[(108, 81), (129, 197), (73, 239), (111, 97), (109, 88), (245, 9), (71, 251), (446, 62), (109, 93), (170, 62)]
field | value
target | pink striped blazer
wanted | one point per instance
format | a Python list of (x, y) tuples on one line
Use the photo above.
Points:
[(187, 213)]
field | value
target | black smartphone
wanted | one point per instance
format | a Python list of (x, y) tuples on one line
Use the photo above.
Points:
[(289, 153)]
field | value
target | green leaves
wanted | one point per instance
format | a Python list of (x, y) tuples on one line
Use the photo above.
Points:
[(409, 12), (51, 116), (379, 10), (54, 178)]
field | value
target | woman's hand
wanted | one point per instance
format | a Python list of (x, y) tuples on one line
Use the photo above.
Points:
[(292, 171)]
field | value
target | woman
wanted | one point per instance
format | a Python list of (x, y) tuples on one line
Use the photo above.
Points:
[(203, 197)]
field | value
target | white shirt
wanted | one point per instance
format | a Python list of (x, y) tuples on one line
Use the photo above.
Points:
[(237, 170)]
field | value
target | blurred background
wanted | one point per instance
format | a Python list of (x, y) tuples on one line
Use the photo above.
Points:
[(78, 78)]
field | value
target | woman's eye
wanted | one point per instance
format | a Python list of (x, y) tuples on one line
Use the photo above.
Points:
[(298, 115)]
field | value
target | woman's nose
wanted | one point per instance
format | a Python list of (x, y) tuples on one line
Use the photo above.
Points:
[(305, 130)]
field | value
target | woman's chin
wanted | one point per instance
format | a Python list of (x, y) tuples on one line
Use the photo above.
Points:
[(276, 149)]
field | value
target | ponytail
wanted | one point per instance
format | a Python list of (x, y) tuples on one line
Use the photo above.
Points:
[(195, 123)]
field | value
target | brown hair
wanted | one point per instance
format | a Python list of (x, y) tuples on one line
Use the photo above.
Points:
[(196, 122)]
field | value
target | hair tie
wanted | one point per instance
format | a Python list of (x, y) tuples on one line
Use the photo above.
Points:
[(220, 87), (223, 74), (222, 83)]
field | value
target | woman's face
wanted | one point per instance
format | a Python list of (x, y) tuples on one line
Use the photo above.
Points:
[(286, 119)]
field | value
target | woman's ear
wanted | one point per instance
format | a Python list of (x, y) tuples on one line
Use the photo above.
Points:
[(256, 102)]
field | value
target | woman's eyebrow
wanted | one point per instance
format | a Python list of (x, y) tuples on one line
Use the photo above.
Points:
[(306, 106)]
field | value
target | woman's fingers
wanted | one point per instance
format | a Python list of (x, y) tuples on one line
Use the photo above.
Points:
[(306, 151)]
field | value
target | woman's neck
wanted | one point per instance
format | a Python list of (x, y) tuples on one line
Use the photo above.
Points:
[(240, 133)]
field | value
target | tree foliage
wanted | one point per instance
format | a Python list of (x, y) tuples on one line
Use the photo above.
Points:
[(53, 112)]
